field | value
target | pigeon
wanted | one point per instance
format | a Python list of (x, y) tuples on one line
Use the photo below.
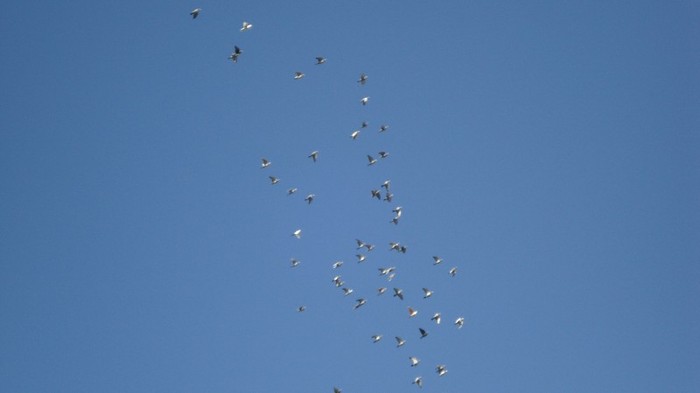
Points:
[(398, 292), (395, 221), (313, 155), (381, 291), (377, 194), (337, 264), (337, 281), (274, 180), (301, 308), (236, 52), (371, 159), (388, 197), (246, 26), (423, 333), (412, 313), (364, 124), (441, 370), (414, 361), (427, 293), (364, 100), (394, 246), (320, 60), (337, 390), (436, 318), (359, 303), (291, 191), (376, 338), (397, 210), (453, 272), (294, 262), (310, 198), (347, 291), (363, 79), (369, 247), (383, 271), (437, 260), (355, 134), (265, 163), (195, 13), (383, 154), (383, 128), (386, 184), (360, 258), (459, 322), (418, 381), (298, 75), (391, 276), (399, 341), (403, 249), (297, 233)]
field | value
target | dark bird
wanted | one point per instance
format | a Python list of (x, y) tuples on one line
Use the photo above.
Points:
[(195, 13), (423, 333), (320, 60), (236, 52), (363, 79)]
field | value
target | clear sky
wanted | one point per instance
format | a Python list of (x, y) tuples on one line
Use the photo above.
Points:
[(548, 149)]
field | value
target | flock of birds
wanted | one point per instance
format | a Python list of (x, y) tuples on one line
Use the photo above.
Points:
[(383, 192)]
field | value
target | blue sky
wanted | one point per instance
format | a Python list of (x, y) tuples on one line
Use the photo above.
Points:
[(550, 151)]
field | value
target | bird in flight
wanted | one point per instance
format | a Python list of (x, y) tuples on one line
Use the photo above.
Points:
[(371, 160), (360, 258), (453, 272), (414, 361), (195, 13), (364, 100), (320, 60), (265, 163), (313, 155), (459, 322), (376, 338), (383, 128), (376, 194), (399, 341), (364, 124), (298, 75), (423, 333), (337, 264), (427, 293), (436, 318), (236, 52), (291, 191), (301, 308), (297, 233), (412, 313), (295, 262), (437, 260), (380, 291), (347, 291), (363, 79), (355, 134), (246, 26), (310, 198), (383, 154), (274, 180), (398, 292), (441, 370), (359, 303), (418, 381)]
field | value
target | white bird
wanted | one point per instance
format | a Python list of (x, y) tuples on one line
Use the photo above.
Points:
[(381, 291), (398, 292), (298, 75), (437, 260), (320, 60), (453, 272), (337, 281), (360, 258), (414, 361), (412, 313), (427, 293), (246, 26), (301, 308), (386, 184), (265, 163), (310, 198), (391, 276), (297, 233), (383, 271), (371, 160), (355, 134), (436, 318), (337, 264), (418, 381), (359, 303), (399, 341), (394, 246), (364, 100), (423, 333), (294, 262), (347, 291), (363, 79), (291, 191), (234, 55), (195, 13), (397, 210), (313, 155), (441, 370), (274, 180), (383, 128), (376, 338), (459, 322)]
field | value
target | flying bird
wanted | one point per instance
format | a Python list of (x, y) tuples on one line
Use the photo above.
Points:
[(274, 180), (386, 184), (195, 13), (320, 60), (383, 128), (441, 370), (364, 124), (236, 52), (383, 154), (388, 197), (364, 100), (337, 281), (398, 292), (337, 390), (301, 308), (371, 160), (369, 247), (423, 333), (291, 191), (412, 313), (459, 322), (453, 272), (394, 246), (427, 293), (383, 271), (377, 194), (436, 318), (295, 262), (381, 291), (337, 264), (437, 260), (313, 155), (355, 134), (363, 79), (399, 341), (360, 243), (376, 338), (418, 381), (246, 26), (298, 75), (414, 361), (310, 198), (347, 291), (360, 258), (297, 233), (265, 163), (359, 303)]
